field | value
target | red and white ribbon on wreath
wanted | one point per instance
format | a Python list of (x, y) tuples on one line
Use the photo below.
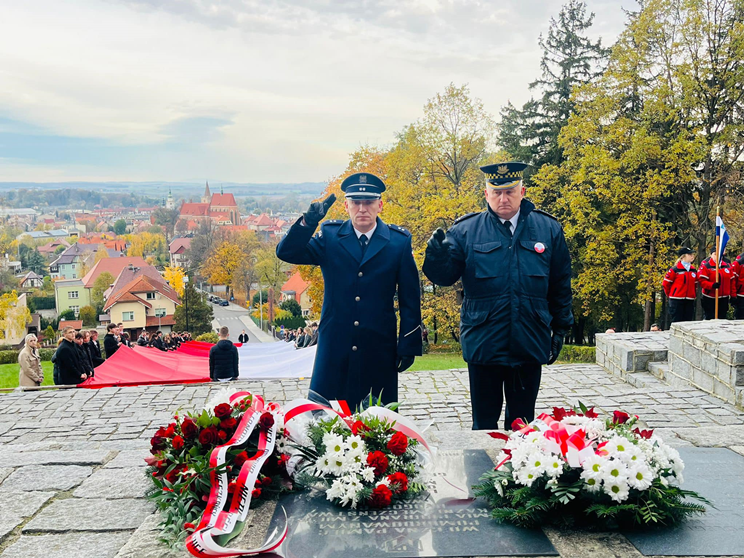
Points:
[(216, 521), (341, 408)]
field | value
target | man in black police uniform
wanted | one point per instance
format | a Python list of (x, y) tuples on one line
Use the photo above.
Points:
[(364, 262), (516, 274)]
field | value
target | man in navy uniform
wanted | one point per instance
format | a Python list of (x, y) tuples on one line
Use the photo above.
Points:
[(364, 262), (516, 274)]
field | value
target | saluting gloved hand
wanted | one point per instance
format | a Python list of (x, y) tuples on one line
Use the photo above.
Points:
[(405, 362), (436, 246), (318, 210), (556, 344), (716, 285)]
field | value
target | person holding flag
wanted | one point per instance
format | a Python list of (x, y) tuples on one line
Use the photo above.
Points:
[(717, 278)]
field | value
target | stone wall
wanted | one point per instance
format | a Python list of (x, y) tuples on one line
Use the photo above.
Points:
[(626, 353), (708, 355)]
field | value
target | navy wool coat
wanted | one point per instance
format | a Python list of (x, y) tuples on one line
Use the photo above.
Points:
[(358, 343), (517, 289)]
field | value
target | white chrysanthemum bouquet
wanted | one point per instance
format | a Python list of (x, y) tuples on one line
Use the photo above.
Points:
[(575, 469)]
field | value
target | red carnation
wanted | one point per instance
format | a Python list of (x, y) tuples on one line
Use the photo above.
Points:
[(231, 487), (228, 423), (645, 434), (618, 417), (171, 477), (208, 436), (222, 435), (358, 427), (223, 410), (157, 442), (177, 442), (241, 458), (170, 431), (266, 421), (400, 479), (381, 497), (266, 481), (189, 428), (256, 493), (591, 413), (378, 461), (398, 444)]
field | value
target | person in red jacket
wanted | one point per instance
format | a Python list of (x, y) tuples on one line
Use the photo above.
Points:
[(680, 284), (737, 298), (726, 284)]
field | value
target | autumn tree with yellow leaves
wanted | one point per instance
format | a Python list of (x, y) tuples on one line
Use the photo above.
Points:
[(13, 317), (174, 275)]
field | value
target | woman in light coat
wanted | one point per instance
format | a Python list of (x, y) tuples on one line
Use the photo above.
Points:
[(30, 374)]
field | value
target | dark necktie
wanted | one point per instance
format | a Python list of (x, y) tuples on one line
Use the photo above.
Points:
[(363, 243), (507, 226)]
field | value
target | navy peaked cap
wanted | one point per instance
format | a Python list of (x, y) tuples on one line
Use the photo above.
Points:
[(363, 186), (503, 176)]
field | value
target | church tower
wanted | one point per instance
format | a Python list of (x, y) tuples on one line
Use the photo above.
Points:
[(169, 203), (207, 198)]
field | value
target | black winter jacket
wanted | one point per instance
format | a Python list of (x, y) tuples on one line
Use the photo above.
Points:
[(68, 360), (110, 344), (223, 360)]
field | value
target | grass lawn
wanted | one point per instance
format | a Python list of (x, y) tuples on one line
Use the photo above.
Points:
[(9, 374), (438, 361)]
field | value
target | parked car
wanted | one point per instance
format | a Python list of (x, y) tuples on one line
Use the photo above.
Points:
[(224, 303)]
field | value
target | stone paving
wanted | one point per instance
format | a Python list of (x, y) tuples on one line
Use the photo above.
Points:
[(72, 477)]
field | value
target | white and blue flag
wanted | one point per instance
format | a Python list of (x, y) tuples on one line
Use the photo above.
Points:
[(724, 237)]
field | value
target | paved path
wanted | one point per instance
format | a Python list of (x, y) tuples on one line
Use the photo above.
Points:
[(237, 319), (71, 476)]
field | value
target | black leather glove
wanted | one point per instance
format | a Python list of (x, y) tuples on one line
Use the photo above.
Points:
[(716, 285), (405, 362), (318, 210), (436, 246), (556, 344)]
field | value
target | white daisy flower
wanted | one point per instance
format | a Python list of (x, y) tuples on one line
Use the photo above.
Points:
[(333, 443), (368, 474), (614, 470), (593, 483), (538, 461), (355, 444), (593, 466), (617, 489), (526, 477), (554, 466), (618, 446), (640, 476), (337, 490)]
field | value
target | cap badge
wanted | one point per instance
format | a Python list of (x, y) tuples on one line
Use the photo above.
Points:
[(363, 179), (539, 247), (502, 169)]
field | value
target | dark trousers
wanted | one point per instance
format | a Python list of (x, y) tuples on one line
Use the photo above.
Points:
[(709, 307), (739, 307), (490, 384), (681, 310)]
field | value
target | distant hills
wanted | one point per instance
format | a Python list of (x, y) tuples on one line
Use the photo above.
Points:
[(179, 189)]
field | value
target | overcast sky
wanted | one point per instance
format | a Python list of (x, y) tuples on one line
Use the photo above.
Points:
[(247, 90)]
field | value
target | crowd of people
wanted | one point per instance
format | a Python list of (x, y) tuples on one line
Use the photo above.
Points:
[(301, 337), (79, 353), (683, 278)]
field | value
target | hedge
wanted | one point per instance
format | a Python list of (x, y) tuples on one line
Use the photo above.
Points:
[(292, 322), (42, 303), (209, 337), (11, 357), (578, 353)]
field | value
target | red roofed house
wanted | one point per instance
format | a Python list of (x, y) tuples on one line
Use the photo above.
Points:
[(296, 288), (221, 209), (142, 299), (177, 249)]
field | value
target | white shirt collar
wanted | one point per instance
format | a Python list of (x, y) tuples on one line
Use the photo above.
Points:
[(368, 234), (513, 220)]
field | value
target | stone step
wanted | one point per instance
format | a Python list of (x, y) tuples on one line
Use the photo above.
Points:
[(644, 380), (659, 369)]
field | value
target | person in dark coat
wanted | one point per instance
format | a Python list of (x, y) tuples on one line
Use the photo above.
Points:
[(243, 337), (157, 341), (364, 262), (95, 349), (86, 363), (516, 274), (223, 358), (110, 343), (68, 359)]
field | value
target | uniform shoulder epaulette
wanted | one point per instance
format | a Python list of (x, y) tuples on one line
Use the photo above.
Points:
[(468, 216), (546, 214), (401, 230), (333, 222)]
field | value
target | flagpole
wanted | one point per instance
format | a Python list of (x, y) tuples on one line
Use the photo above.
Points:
[(718, 255)]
